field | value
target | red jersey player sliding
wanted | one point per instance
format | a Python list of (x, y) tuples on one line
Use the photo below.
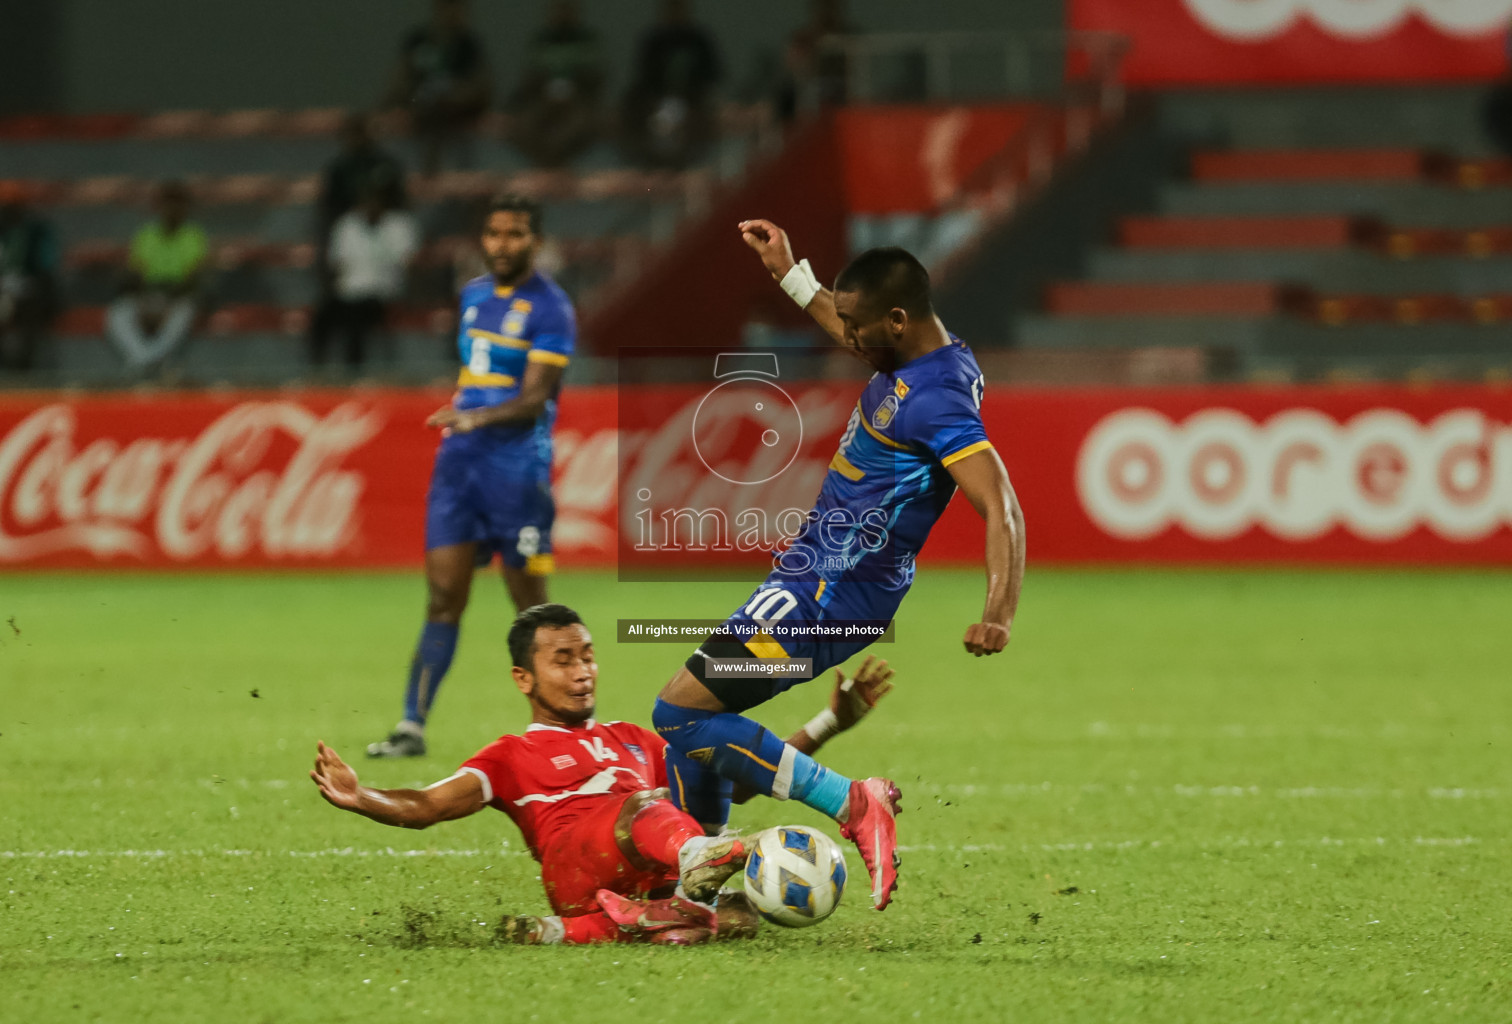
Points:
[(590, 799)]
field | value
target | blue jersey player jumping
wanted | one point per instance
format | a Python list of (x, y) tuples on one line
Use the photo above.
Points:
[(915, 436), (490, 489)]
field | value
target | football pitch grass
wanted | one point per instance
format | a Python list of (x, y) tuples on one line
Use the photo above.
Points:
[(1181, 796)]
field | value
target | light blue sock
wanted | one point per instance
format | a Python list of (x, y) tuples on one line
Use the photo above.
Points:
[(816, 786)]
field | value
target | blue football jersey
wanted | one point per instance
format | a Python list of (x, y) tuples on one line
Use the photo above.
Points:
[(888, 483), (501, 330)]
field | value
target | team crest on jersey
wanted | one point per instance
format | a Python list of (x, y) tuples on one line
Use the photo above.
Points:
[(900, 389), (703, 755), (514, 323), (563, 762), (885, 412), (471, 315), (640, 755)]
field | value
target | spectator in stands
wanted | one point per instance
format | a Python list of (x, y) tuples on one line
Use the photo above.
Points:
[(28, 279), (669, 110), (361, 165), (371, 248), (441, 81), (814, 73), (554, 110), (153, 317)]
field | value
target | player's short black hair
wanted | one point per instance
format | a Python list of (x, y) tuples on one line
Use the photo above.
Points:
[(513, 202), (523, 633), (891, 277)]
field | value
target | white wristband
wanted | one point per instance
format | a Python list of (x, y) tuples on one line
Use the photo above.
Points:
[(800, 283), (823, 726)]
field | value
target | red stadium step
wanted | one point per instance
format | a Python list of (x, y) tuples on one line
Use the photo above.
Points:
[(1407, 243), (32, 127), (1318, 232), (1342, 310), (1313, 232), (1090, 298), (271, 189), (253, 318), (231, 253), (1309, 165)]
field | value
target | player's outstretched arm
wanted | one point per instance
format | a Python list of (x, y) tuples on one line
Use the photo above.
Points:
[(456, 797), (771, 243), (850, 701), (984, 480)]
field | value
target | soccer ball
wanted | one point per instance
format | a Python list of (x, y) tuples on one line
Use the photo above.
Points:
[(794, 875)]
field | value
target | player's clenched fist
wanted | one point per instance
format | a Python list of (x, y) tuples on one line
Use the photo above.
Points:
[(986, 638), (771, 244)]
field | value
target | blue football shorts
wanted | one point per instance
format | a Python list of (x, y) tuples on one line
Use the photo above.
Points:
[(482, 492)]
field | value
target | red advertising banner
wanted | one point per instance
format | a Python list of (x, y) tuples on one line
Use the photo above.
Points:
[(1200, 42), (1229, 475)]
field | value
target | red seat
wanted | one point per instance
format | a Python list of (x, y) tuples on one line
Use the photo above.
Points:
[(1316, 232), (1090, 298), (1309, 165)]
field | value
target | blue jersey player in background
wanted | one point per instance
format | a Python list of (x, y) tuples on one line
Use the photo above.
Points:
[(914, 437), (490, 489)]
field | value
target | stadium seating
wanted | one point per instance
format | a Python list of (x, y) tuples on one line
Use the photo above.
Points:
[(1299, 261), (254, 176)]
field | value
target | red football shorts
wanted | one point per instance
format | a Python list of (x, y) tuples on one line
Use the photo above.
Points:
[(585, 858)]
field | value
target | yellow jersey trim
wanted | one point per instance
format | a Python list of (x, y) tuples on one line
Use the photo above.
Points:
[(885, 440), (498, 339), (763, 646), (503, 291), (540, 565), (540, 355), (468, 379), (840, 464), (820, 592), (765, 764), (970, 449)]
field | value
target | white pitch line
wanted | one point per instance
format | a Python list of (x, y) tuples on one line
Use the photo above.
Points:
[(347, 851), (1225, 842), (968, 789), (1194, 791)]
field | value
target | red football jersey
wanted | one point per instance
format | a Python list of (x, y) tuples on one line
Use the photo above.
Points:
[(550, 777)]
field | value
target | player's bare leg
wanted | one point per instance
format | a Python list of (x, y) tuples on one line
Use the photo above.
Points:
[(448, 584), (690, 715), (526, 589)]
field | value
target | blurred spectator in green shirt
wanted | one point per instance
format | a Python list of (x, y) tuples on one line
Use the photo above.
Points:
[(152, 319)]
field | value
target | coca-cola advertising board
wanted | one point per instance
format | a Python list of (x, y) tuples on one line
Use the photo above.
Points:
[(1201, 42), (335, 479)]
